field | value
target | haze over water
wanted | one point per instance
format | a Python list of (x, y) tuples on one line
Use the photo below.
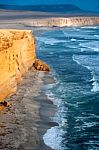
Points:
[(73, 53)]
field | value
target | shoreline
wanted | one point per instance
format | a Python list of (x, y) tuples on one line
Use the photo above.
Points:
[(18, 123), (46, 111), (24, 123)]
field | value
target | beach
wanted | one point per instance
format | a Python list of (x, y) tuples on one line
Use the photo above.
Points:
[(24, 122)]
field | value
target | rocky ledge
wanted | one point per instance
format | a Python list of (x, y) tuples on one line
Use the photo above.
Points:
[(40, 65)]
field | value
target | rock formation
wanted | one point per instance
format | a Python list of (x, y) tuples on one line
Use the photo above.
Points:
[(40, 65), (17, 54), (62, 22)]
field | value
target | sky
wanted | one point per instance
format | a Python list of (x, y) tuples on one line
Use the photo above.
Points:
[(92, 5)]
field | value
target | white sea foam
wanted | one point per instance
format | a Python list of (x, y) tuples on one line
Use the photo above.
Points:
[(94, 116), (89, 27), (83, 49), (51, 53), (55, 101), (53, 138), (88, 124), (82, 34), (49, 93), (96, 36), (49, 41), (74, 59), (74, 34), (95, 84), (93, 79), (73, 39), (90, 45), (85, 125)]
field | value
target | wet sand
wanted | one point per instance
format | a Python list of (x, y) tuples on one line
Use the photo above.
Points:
[(47, 111), (23, 124)]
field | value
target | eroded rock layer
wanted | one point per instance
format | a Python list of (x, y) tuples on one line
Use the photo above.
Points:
[(63, 22), (17, 54), (40, 65)]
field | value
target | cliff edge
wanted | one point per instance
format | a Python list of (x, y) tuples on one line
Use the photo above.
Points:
[(62, 22), (17, 54)]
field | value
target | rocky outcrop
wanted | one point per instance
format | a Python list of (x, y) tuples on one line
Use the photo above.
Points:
[(17, 54), (62, 22), (40, 65)]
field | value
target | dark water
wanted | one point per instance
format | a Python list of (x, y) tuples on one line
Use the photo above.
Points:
[(73, 53)]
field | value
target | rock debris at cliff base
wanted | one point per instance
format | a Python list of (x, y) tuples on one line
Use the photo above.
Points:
[(40, 65)]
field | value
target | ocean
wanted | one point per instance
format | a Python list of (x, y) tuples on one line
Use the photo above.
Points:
[(73, 55)]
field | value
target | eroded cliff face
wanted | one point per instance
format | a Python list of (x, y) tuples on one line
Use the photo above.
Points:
[(17, 54), (63, 22)]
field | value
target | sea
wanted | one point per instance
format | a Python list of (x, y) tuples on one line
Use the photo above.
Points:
[(73, 55)]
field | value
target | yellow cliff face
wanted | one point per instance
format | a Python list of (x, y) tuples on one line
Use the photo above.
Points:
[(17, 54)]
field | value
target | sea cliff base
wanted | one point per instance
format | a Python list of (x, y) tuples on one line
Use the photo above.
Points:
[(23, 124)]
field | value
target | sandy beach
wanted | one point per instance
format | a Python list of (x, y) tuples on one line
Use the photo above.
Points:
[(23, 124)]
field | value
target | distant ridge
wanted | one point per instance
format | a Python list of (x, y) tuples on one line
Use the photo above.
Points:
[(45, 8)]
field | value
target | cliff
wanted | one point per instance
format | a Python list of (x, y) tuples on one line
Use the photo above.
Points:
[(17, 54), (17, 50), (62, 22)]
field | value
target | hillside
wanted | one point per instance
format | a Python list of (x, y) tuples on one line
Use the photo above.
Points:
[(45, 8)]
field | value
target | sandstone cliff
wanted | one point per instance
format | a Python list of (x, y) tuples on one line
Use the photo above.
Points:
[(17, 54), (62, 22)]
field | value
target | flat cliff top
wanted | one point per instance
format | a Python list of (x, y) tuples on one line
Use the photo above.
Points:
[(7, 36), (46, 20), (11, 15), (12, 31), (22, 19)]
